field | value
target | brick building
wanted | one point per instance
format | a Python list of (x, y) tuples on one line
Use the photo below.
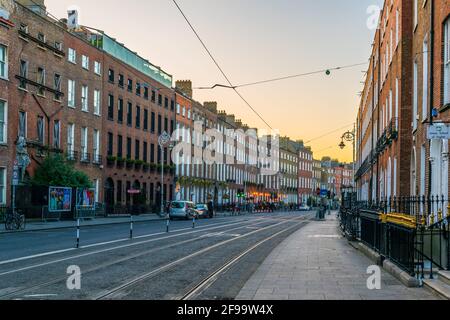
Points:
[(385, 117), (305, 173)]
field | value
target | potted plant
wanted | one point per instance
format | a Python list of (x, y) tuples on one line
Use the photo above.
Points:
[(138, 164), (130, 163), (120, 162), (111, 160), (153, 166), (146, 166)]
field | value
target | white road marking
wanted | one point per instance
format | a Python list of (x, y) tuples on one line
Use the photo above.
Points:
[(40, 255), (105, 250), (41, 295)]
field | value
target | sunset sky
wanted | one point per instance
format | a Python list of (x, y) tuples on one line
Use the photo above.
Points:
[(253, 40)]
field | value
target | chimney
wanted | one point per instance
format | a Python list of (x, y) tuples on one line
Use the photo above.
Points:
[(72, 20), (211, 106), (185, 86), (37, 6)]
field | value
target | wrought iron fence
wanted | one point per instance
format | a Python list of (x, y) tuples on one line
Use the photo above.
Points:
[(412, 232)]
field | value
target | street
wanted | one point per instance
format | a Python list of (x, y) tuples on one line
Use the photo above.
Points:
[(211, 261)]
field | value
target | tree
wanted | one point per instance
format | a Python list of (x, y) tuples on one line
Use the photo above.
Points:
[(56, 171)]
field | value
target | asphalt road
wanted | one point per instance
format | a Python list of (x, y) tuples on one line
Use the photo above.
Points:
[(212, 261)]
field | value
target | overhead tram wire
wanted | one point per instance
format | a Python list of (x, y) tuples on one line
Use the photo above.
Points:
[(282, 78), (218, 66), (328, 133)]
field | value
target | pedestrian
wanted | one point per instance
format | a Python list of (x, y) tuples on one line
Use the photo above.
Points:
[(168, 206), (210, 209)]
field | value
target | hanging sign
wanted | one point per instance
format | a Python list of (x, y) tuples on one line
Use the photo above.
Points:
[(439, 131)]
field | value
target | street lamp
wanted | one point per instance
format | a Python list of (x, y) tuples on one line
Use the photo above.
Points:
[(350, 136), (163, 141)]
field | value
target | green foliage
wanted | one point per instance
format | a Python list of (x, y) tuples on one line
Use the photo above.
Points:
[(56, 171)]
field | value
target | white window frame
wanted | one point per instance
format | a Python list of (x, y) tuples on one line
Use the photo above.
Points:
[(97, 102), (97, 68), (85, 98), (96, 144), (5, 122), (3, 184), (415, 13), (70, 137), (447, 62), (84, 143), (415, 95), (5, 63), (71, 88), (72, 56), (85, 62), (425, 76)]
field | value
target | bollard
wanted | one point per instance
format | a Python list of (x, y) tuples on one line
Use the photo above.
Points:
[(131, 227), (167, 224), (193, 222), (78, 233)]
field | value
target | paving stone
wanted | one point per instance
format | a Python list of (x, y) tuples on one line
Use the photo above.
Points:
[(305, 267)]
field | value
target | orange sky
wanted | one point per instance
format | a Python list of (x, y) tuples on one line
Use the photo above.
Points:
[(253, 40)]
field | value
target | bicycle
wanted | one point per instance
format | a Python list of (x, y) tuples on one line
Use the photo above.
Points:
[(14, 221)]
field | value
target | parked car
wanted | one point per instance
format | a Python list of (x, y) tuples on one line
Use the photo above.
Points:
[(202, 210), (183, 210), (304, 207)]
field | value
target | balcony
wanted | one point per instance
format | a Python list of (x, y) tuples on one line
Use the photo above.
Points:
[(85, 157), (97, 160), (389, 135), (72, 156)]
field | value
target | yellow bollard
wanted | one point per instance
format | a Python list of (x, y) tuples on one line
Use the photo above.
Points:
[(440, 216), (432, 219)]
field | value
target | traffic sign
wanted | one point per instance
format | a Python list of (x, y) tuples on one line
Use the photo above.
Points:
[(164, 139), (15, 176)]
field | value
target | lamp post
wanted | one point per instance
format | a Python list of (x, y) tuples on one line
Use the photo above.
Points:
[(163, 141), (350, 136)]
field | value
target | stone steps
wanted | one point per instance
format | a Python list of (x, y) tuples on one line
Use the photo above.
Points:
[(440, 285)]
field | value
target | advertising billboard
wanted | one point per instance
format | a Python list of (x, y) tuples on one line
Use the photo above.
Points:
[(59, 199), (85, 198)]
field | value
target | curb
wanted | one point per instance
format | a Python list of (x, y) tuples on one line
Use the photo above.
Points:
[(406, 279)]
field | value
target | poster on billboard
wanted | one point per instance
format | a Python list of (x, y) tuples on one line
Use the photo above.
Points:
[(60, 199), (85, 198)]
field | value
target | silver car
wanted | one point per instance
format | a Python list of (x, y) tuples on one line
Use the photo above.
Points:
[(182, 209)]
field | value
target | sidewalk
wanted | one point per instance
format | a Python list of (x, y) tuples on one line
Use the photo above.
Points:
[(316, 263)]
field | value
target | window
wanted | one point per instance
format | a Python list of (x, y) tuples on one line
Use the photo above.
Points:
[(110, 144), (447, 62), (153, 96), (41, 37), (425, 80), (416, 12), (57, 86), (96, 144), (159, 99), (159, 124), (84, 142), (3, 121), (71, 94), (138, 117), (137, 153), (128, 148), (23, 74), (397, 27), (120, 111), (145, 119), (166, 124), (56, 134), (111, 107), (72, 56), (415, 96), (129, 114), (130, 85), (178, 108), (41, 81), (85, 62), (22, 124), (2, 185), (70, 139), (152, 153), (152, 123), (58, 46), (138, 89), (40, 129), (111, 75), (24, 28), (119, 146), (172, 105), (97, 105), (184, 112), (97, 67), (3, 62), (84, 98), (166, 103), (145, 93), (121, 80)]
